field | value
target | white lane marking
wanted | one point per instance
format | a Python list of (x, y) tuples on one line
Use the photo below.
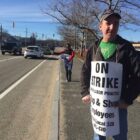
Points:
[(19, 81), (9, 59)]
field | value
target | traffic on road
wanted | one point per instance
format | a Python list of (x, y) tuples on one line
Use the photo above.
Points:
[(27, 90)]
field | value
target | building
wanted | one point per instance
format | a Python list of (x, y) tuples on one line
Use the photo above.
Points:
[(137, 46)]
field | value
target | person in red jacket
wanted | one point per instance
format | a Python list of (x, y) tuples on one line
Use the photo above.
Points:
[(67, 56)]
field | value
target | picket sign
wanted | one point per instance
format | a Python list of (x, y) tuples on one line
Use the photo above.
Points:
[(105, 90)]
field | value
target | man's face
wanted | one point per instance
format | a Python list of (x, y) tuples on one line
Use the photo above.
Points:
[(109, 28)]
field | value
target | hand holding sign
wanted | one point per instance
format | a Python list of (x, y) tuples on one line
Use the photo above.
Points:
[(86, 99)]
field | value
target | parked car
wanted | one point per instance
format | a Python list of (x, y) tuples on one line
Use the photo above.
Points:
[(47, 51), (11, 47), (33, 52)]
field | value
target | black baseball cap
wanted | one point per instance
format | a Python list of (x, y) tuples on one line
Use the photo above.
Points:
[(109, 12)]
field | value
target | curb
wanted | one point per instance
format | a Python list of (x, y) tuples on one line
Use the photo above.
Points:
[(54, 130)]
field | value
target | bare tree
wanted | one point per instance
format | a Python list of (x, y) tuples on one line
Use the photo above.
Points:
[(68, 34), (80, 18), (85, 13), (77, 13)]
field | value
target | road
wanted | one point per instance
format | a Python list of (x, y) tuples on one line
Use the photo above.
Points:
[(26, 99)]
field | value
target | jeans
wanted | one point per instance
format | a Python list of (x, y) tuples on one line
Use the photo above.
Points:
[(68, 65), (123, 128), (68, 69)]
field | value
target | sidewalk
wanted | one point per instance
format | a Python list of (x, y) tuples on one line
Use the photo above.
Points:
[(74, 116)]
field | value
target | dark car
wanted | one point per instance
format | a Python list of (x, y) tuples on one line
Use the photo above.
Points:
[(47, 50), (11, 47)]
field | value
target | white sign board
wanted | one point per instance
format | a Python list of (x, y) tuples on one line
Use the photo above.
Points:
[(105, 89)]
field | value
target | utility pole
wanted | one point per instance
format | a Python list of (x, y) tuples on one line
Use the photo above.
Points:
[(13, 25), (75, 45), (26, 37), (0, 35), (54, 40)]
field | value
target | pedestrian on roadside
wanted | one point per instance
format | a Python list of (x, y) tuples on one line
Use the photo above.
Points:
[(110, 79), (67, 56)]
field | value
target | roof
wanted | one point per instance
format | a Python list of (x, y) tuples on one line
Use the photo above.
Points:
[(136, 45)]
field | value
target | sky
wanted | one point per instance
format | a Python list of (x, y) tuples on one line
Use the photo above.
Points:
[(29, 19)]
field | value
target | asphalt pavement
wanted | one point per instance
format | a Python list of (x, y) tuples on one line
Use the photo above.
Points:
[(74, 116)]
